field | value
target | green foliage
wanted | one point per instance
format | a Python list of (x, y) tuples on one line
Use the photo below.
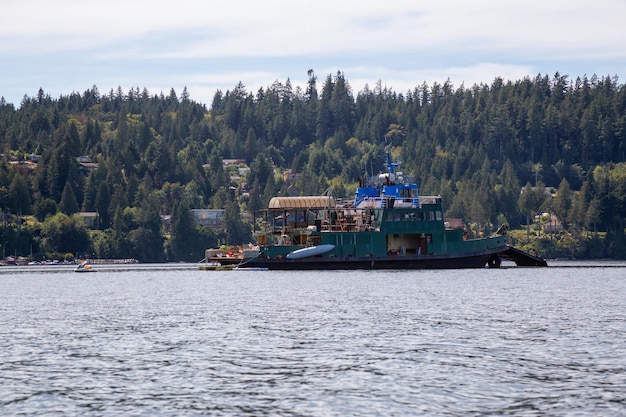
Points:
[(19, 195), (68, 204), (237, 232), (476, 146), (44, 208), (147, 245), (183, 234), (61, 233)]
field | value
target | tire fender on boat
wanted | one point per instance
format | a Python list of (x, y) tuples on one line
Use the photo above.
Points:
[(494, 261)]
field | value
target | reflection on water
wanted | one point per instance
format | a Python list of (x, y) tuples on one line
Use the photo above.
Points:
[(178, 341)]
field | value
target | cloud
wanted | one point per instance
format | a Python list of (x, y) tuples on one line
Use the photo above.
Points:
[(73, 44), (284, 28)]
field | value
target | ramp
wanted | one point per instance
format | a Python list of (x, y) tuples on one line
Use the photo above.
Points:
[(522, 258)]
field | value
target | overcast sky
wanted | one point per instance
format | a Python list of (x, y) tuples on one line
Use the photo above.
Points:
[(64, 46)]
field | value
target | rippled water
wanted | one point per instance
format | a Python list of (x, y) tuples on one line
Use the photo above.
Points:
[(178, 341)]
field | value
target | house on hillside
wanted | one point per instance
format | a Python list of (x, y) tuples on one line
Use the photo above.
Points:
[(208, 218), (86, 165), (229, 162), (90, 217), (291, 177), (24, 167), (212, 218), (550, 223)]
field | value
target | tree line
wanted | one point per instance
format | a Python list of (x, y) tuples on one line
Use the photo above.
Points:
[(497, 153)]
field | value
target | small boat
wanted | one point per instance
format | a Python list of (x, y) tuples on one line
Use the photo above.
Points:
[(387, 225), (84, 267), (310, 251), (228, 255)]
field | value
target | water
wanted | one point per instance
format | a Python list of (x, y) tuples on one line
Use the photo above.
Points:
[(177, 341)]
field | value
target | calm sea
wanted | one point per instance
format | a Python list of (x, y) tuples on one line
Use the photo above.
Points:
[(176, 341)]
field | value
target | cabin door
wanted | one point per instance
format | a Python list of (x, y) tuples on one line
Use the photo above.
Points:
[(424, 241)]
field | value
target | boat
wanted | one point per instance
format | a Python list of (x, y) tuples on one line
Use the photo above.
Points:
[(387, 225), (84, 267), (228, 255), (310, 251)]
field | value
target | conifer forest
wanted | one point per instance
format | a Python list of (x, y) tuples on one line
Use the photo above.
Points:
[(545, 155)]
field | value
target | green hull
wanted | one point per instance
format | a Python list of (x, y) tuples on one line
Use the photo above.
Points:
[(386, 226), (389, 238)]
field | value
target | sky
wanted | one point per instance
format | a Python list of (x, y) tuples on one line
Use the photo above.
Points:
[(66, 46)]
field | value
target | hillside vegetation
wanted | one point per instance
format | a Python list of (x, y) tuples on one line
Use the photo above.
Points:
[(511, 152)]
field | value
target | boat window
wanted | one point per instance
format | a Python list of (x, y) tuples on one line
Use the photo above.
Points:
[(439, 215)]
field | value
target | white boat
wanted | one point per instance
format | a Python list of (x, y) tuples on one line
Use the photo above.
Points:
[(84, 267), (310, 251)]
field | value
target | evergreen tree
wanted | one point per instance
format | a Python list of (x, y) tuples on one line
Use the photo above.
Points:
[(183, 233), (90, 191), (216, 175), (147, 237), (19, 196), (120, 244), (103, 200), (68, 204), (529, 202), (237, 232), (592, 216), (563, 203)]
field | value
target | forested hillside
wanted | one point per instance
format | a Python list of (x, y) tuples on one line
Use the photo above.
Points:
[(560, 140)]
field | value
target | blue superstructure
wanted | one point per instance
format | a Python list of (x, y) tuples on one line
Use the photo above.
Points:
[(390, 189)]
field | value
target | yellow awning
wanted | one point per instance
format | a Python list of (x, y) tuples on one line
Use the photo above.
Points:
[(306, 202)]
